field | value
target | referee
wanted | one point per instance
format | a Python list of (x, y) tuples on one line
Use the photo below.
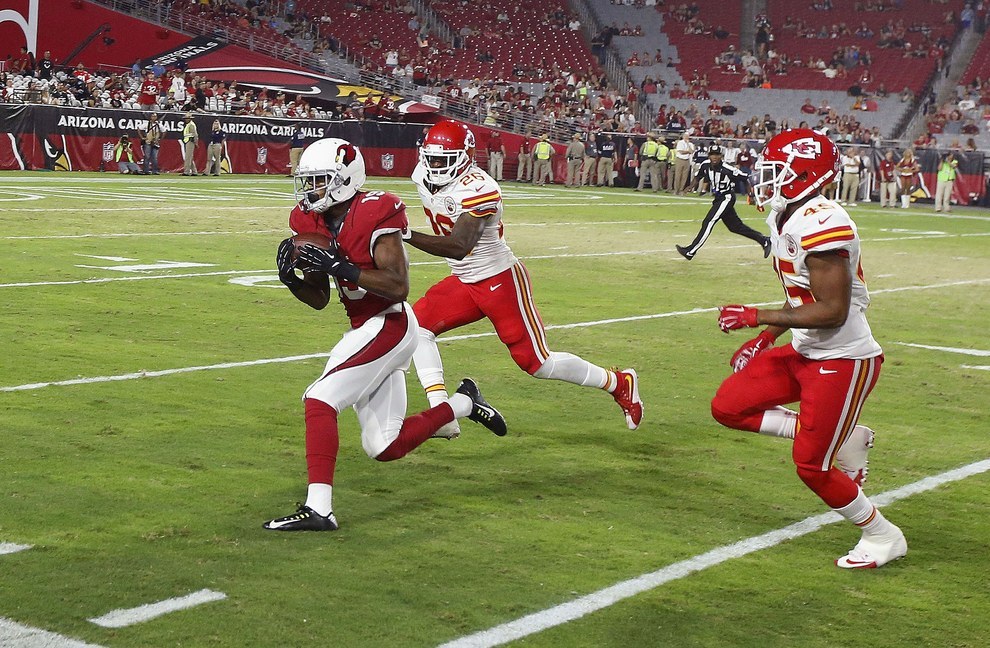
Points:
[(722, 181)]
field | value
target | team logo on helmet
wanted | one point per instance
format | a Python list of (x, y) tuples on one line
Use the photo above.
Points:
[(805, 147), (346, 154), (468, 138)]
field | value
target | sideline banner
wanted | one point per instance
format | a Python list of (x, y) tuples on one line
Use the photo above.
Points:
[(73, 139)]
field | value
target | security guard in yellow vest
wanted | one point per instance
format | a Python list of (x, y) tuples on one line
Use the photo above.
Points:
[(648, 163), (543, 152)]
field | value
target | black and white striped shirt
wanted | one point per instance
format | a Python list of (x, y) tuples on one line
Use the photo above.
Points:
[(721, 179)]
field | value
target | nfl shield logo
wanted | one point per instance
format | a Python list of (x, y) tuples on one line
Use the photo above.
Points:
[(388, 161), (108, 151), (262, 154)]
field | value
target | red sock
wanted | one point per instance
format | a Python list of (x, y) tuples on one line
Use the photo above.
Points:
[(417, 429), (322, 441), (833, 486)]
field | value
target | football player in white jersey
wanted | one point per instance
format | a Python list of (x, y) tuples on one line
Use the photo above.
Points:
[(464, 207), (832, 362)]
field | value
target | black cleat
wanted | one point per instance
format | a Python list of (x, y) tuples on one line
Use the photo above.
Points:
[(481, 411), (766, 247), (304, 519), (683, 252)]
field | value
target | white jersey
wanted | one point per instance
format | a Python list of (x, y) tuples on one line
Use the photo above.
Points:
[(474, 194), (818, 226)]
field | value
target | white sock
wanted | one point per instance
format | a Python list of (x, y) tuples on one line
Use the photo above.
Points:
[(319, 497), (570, 368), (905, 200), (429, 367), (865, 515), (461, 404), (436, 396), (779, 422)]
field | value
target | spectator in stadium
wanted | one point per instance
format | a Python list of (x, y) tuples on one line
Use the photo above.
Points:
[(124, 156), (887, 175), (214, 150), (832, 363), (150, 88), (496, 155), (46, 67), (190, 136), (850, 176), (152, 142), (296, 145), (524, 171), (630, 167), (683, 152)]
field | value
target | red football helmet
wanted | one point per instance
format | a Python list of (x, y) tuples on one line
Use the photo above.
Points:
[(447, 152), (792, 165)]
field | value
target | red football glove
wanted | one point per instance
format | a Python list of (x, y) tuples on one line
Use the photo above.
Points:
[(750, 350), (734, 317)]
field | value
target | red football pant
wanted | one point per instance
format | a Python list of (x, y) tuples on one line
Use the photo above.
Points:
[(831, 393), (505, 299)]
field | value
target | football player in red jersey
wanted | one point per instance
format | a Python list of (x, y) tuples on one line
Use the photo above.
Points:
[(366, 368), (464, 206), (832, 362)]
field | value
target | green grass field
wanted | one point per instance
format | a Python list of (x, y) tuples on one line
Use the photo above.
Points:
[(133, 487)]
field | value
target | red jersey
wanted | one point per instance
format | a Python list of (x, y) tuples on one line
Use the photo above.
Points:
[(887, 169), (149, 92), (371, 215)]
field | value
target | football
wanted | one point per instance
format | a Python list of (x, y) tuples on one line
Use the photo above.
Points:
[(308, 238)]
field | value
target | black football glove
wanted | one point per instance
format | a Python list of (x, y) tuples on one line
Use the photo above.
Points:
[(330, 261), (286, 266)]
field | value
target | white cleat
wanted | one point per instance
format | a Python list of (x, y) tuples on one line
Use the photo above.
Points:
[(852, 456), (875, 551), (449, 431)]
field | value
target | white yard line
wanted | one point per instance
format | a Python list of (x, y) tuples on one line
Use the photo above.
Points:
[(74, 282), (445, 339), (16, 635), (10, 547), (138, 235), (980, 367), (142, 613), (582, 606), (972, 352)]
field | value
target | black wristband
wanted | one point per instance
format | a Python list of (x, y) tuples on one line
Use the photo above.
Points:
[(347, 272)]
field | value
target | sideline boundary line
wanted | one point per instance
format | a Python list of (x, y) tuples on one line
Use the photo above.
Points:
[(453, 338), (603, 598)]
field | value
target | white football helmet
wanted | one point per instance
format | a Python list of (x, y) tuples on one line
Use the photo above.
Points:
[(447, 152), (332, 163)]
